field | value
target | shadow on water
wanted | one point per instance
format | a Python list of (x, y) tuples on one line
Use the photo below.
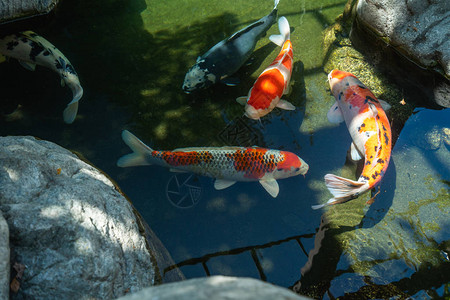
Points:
[(383, 202)]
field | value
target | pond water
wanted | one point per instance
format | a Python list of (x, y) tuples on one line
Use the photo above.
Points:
[(131, 57)]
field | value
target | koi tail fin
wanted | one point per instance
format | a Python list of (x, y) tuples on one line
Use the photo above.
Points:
[(285, 32), (343, 189), (275, 4), (140, 151), (71, 110)]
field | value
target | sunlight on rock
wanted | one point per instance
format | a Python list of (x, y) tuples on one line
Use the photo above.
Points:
[(53, 212), (13, 175), (83, 246), (96, 215), (91, 173), (220, 279)]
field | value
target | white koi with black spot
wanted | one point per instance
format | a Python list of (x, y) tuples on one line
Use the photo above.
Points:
[(370, 131), (31, 49)]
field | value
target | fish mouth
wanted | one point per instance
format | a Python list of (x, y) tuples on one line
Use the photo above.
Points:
[(304, 168)]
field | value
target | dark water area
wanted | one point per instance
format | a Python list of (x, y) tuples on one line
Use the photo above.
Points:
[(131, 57)]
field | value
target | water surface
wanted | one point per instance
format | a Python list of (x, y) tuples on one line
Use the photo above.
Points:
[(131, 57)]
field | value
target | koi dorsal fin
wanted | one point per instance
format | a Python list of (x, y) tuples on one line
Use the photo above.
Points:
[(386, 106), (243, 31)]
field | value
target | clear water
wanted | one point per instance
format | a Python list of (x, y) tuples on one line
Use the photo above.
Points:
[(132, 56)]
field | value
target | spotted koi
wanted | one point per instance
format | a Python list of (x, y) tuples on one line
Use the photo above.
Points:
[(273, 82), (370, 131), (226, 164), (31, 49)]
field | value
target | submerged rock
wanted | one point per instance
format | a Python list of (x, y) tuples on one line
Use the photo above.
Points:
[(76, 235), (18, 9), (215, 287), (4, 258)]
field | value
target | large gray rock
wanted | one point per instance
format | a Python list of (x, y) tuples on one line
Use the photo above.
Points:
[(217, 288), (75, 233), (419, 29), (419, 32), (17, 9), (4, 258)]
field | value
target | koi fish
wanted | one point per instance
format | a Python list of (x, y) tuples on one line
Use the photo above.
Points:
[(31, 49), (226, 164), (371, 134), (227, 56), (273, 82)]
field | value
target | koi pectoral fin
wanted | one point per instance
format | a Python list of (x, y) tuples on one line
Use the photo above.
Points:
[(277, 39), (356, 156), (174, 170), (221, 184), (27, 65), (271, 186), (334, 115), (287, 89), (283, 104), (386, 106), (242, 100), (230, 81)]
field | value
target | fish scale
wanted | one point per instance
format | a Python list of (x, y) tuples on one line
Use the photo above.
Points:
[(251, 162)]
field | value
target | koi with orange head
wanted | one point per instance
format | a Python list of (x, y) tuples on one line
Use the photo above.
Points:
[(226, 164), (273, 82), (370, 130)]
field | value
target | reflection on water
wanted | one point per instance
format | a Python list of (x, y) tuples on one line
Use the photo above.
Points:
[(132, 56)]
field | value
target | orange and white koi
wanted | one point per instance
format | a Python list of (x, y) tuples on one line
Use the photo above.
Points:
[(370, 131), (273, 82), (226, 164)]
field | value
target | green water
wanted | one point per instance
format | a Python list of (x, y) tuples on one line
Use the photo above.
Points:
[(132, 57)]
